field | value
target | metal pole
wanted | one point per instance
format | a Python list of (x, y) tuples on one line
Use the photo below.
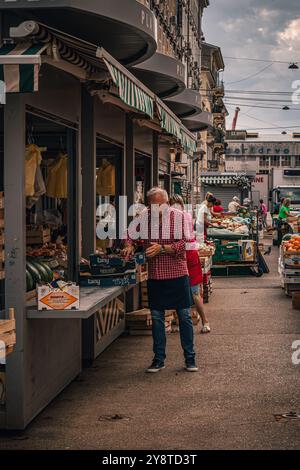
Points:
[(88, 153), (155, 159), (129, 160), (15, 250), (73, 202)]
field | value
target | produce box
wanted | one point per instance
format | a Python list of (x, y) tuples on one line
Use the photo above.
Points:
[(7, 335), (126, 280), (38, 235), (248, 250), (66, 298), (230, 252), (106, 270), (98, 260)]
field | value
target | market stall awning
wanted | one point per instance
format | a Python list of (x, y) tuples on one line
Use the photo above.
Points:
[(218, 180), (95, 65), (132, 92), (173, 126), (19, 66)]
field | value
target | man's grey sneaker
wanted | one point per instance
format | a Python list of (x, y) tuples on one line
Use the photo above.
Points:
[(155, 367), (191, 367)]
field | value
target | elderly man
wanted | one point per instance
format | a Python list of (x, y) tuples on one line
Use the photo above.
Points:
[(168, 283)]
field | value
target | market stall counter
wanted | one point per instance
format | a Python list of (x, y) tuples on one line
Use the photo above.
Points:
[(91, 300)]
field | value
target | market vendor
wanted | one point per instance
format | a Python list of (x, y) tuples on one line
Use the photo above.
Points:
[(234, 206), (285, 209), (284, 219), (218, 209), (204, 217), (168, 280)]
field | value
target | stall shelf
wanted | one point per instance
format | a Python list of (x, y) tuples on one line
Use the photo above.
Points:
[(91, 299)]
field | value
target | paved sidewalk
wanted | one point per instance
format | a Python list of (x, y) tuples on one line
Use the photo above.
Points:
[(246, 377)]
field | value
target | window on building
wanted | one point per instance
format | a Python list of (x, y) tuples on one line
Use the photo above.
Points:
[(275, 160), (297, 160), (264, 161), (286, 160)]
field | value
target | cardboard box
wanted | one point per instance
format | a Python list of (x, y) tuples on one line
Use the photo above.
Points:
[(124, 281), (57, 299)]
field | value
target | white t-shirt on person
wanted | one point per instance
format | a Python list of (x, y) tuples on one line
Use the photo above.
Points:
[(233, 206)]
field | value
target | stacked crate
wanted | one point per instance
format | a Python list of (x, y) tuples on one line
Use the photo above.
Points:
[(139, 322), (2, 254)]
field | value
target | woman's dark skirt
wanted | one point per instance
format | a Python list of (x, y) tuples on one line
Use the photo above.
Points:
[(169, 294)]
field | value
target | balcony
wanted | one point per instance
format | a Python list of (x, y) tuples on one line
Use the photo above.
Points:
[(199, 122), (126, 29), (164, 75), (186, 104)]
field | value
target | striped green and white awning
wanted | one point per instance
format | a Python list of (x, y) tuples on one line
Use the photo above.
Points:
[(217, 180), (188, 142), (129, 91), (19, 66), (168, 121), (172, 125)]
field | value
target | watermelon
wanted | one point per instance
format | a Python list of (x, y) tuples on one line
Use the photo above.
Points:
[(36, 277), (44, 274), (48, 269), (29, 281)]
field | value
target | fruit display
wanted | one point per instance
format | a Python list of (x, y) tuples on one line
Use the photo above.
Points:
[(292, 245), (37, 272)]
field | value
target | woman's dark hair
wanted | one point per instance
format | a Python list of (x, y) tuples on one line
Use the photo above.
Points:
[(211, 200), (261, 201)]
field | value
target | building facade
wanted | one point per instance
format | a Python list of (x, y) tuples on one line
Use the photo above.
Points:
[(274, 158)]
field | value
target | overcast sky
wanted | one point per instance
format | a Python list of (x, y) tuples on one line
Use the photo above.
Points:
[(261, 29)]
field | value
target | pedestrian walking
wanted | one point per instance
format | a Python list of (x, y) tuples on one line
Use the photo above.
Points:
[(168, 282), (194, 265), (264, 213)]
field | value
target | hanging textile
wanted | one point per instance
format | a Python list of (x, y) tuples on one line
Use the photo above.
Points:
[(39, 189), (33, 159), (106, 179), (57, 180)]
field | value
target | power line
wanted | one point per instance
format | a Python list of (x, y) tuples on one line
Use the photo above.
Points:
[(263, 107), (261, 60), (251, 76), (258, 99)]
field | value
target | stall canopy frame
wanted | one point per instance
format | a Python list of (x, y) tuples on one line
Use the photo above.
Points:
[(92, 64)]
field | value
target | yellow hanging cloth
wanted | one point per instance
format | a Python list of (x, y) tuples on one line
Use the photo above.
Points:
[(33, 158), (106, 179), (57, 180)]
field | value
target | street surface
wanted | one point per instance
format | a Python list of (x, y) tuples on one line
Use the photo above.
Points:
[(246, 377)]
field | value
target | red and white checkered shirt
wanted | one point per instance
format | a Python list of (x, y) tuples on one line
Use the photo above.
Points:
[(168, 232)]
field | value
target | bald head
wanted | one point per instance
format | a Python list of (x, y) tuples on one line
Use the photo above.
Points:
[(157, 196)]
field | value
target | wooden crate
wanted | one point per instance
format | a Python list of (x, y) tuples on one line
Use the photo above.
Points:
[(296, 300), (142, 273), (144, 295), (38, 235), (1, 200), (1, 238), (2, 255), (8, 332)]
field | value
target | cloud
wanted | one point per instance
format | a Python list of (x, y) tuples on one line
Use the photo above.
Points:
[(262, 29)]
